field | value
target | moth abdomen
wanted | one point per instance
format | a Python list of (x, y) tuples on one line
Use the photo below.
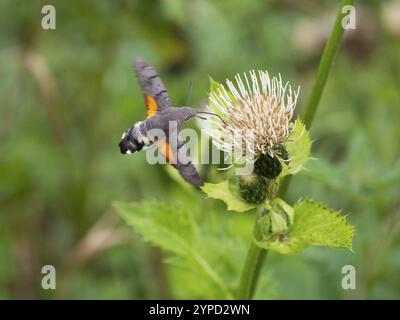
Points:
[(129, 142), (135, 139)]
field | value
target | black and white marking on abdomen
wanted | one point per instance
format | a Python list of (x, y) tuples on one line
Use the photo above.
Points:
[(129, 142), (140, 133)]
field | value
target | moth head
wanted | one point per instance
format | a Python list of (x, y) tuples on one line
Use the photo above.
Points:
[(187, 112)]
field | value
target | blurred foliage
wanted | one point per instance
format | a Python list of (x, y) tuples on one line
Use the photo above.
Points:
[(68, 94)]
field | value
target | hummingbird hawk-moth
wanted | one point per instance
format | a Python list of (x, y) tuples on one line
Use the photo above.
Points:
[(160, 113)]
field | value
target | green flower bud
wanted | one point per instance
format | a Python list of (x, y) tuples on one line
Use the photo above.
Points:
[(282, 152), (278, 222), (267, 166), (285, 210), (264, 226), (253, 188)]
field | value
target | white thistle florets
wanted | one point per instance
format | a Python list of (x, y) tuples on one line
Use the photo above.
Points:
[(257, 115)]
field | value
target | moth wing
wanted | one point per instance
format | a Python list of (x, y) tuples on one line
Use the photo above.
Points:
[(185, 166), (178, 158), (190, 174), (165, 149), (155, 95)]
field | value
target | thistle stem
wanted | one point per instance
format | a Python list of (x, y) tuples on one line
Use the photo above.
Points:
[(255, 254), (254, 261), (327, 60)]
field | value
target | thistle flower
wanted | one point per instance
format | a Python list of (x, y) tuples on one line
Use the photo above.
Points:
[(257, 115)]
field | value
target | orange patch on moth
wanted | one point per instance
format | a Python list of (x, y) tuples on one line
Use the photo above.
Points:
[(151, 106), (165, 150)]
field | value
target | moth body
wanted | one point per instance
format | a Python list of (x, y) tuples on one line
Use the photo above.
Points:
[(161, 126)]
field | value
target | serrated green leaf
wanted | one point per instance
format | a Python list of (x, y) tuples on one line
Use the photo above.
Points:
[(222, 192), (314, 224), (298, 147), (166, 227), (174, 230)]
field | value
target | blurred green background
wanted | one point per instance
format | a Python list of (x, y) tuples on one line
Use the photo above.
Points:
[(66, 95)]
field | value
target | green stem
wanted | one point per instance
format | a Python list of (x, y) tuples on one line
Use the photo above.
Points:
[(252, 267), (254, 261), (328, 58), (255, 254)]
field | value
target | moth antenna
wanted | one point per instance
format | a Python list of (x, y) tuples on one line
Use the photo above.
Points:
[(211, 113)]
